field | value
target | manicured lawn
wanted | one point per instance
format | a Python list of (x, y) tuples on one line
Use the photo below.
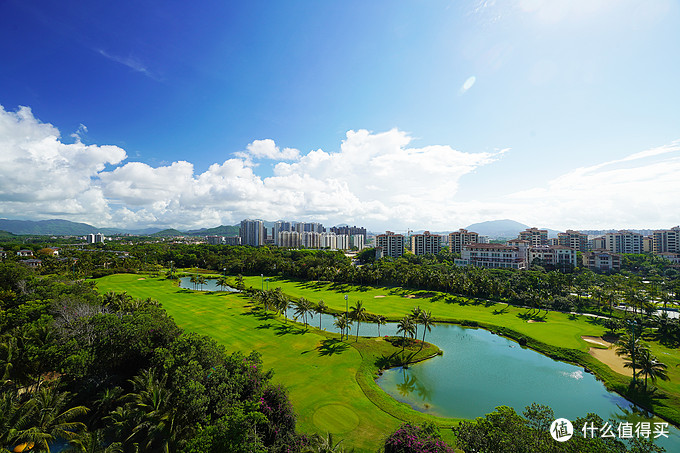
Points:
[(319, 371), (559, 329), (556, 329)]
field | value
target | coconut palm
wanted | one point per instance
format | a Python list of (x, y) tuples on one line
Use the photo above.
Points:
[(302, 308), (380, 320), (341, 323), (200, 280), (51, 420), (93, 443), (427, 321), (193, 280), (281, 302), (222, 282), (405, 326), (358, 314), (320, 444), (630, 346), (415, 318), (651, 367), (14, 418), (239, 283), (320, 309)]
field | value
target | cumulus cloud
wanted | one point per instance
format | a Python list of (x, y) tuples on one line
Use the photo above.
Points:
[(267, 149), (44, 177), (372, 177), (375, 179)]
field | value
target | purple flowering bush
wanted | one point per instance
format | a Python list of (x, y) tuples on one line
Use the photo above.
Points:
[(416, 439)]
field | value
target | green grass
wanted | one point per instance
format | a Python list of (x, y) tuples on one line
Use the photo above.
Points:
[(559, 329), (556, 335), (331, 383), (319, 371)]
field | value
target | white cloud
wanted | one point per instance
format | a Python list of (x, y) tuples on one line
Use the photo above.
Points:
[(43, 177), (639, 190), (467, 84), (373, 179), (267, 149), (131, 62)]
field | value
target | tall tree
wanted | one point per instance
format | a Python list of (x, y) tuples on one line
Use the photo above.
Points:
[(651, 367), (321, 308), (358, 314), (405, 326), (427, 321), (380, 320)]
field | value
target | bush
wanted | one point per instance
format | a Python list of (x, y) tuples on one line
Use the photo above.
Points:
[(416, 439)]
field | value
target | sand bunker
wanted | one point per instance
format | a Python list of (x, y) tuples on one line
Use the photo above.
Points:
[(410, 296), (378, 296), (141, 278), (608, 356), (535, 320)]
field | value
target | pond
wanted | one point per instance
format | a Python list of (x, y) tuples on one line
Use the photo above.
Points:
[(209, 285), (480, 371)]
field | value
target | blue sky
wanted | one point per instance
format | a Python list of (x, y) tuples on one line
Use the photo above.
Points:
[(413, 114)]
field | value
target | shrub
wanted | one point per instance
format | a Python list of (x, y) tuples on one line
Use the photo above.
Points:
[(416, 439)]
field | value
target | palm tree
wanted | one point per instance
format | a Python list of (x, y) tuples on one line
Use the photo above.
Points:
[(630, 346), (427, 321), (380, 320), (200, 280), (415, 317), (358, 314), (159, 428), (321, 308), (302, 307), (93, 443), (239, 283), (405, 326), (52, 421), (281, 302), (321, 444), (341, 323), (15, 418), (651, 367), (193, 280), (222, 282)]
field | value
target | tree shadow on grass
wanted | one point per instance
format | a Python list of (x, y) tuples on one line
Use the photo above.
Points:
[(502, 311), (264, 326), (529, 316), (288, 329), (332, 346)]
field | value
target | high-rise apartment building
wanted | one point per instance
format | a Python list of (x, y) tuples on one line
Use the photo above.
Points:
[(623, 241), (458, 239), (252, 232), (309, 227), (426, 243), (389, 244), (349, 230), (535, 236), (573, 239), (666, 240)]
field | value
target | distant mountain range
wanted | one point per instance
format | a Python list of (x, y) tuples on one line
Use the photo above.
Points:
[(58, 227), (494, 229), (503, 229)]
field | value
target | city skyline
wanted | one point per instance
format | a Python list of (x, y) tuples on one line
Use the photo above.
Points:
[(560, 115)]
